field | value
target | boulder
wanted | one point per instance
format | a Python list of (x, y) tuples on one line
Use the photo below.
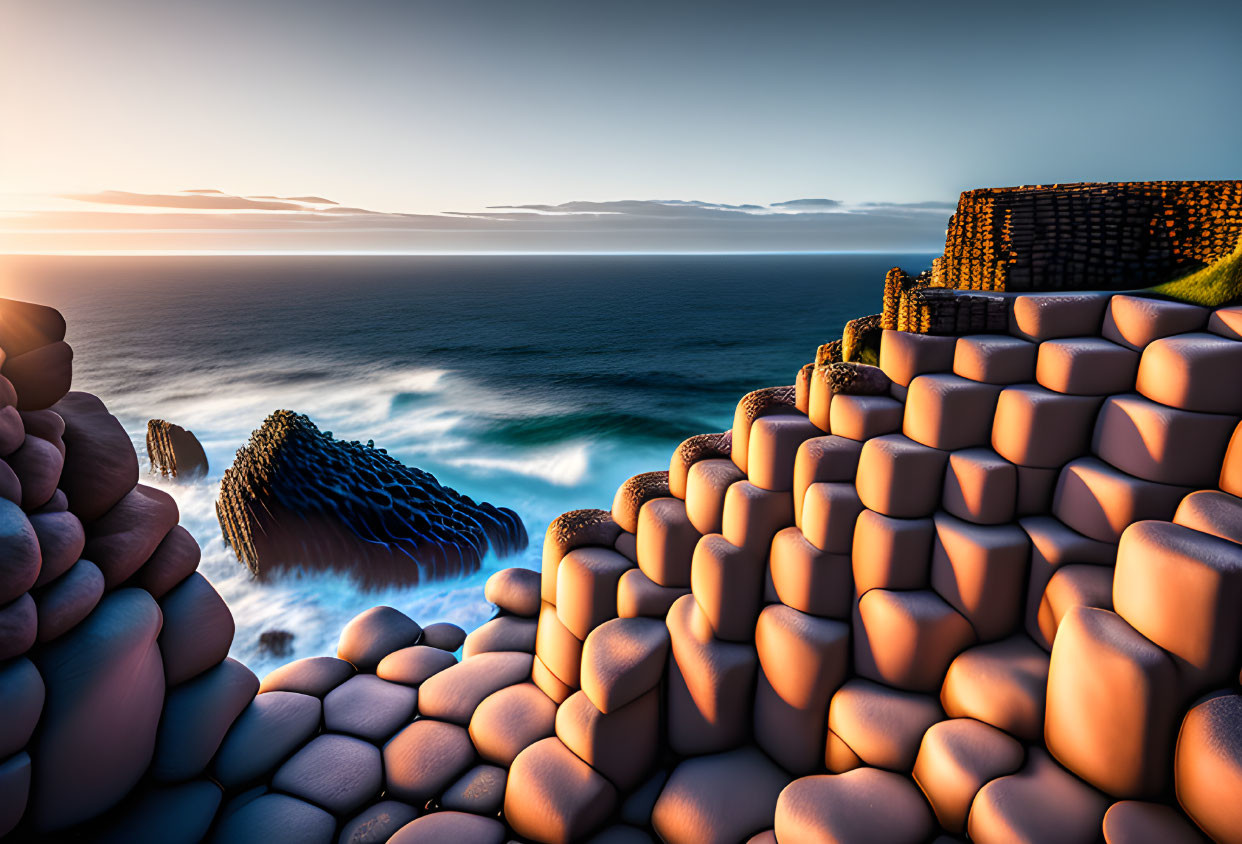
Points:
[(1085, 366), (907, 639), (1041, 802), (666, 540), (273, 818), (125, 537), (514, 590), (444, 636), (882, 726), (765, 402), (860, 806), (12, 432), (719, 799), (414, 665), (198, 629), (37, 464), (372, 635), (174, 559), (994, 359), (368, 707), (450, 826), (622, 659), (1136, 822), (67, 600), (1001, 683), (101, 465), (586, 588), (41, 376), (20, 556), (481, 791), (314, 675), (46, 425), (424, 759), (1208, 766), (267, 732), (693, 450), (25, 326), (621, 744), (808, 579), (21, 700), (61, 540), (197, 715), (706, 487), (510, 720), (338, 773), (19, 626), (377, 824), (503, 633), (710, 684), (958, 757), (553, 797), (575, 529), (803, 659), (453, 694), (105, 690)]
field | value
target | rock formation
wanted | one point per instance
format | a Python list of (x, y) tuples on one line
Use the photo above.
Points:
[(991, 589), (297, 497), (1114, 236), (1117, 236), (173, 451)]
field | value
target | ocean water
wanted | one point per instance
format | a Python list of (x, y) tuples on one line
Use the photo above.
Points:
[(538, 383)]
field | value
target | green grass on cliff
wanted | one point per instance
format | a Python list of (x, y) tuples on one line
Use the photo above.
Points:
[(1213, 286)]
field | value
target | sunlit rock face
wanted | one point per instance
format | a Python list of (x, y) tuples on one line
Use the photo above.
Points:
[(296, 497), (173, 451)]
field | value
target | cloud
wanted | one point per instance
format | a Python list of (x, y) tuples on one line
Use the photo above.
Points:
[(635, 208), (934, 205), (200, 200), (310, 200), (808, 204), (213, 221)]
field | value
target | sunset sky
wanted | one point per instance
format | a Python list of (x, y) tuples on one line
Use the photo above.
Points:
[(397, 125)]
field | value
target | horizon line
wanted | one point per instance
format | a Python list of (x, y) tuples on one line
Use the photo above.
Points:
[(180, 253)]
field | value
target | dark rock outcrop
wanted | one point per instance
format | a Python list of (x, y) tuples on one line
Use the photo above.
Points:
[(174, 451), (297, 497)]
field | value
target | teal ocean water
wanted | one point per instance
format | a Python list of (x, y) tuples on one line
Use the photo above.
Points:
[(538, 383)]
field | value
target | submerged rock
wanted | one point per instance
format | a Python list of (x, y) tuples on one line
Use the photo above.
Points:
[(297, 497), (277, 643), (174, 451)]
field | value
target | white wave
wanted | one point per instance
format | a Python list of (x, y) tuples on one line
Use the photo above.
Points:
[(562, 467)]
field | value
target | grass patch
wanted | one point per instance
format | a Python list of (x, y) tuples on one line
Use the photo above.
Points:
[(1212, 286)]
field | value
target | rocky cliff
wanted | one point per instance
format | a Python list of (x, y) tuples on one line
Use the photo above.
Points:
[(1115, 236), (1110, 236), (990, 589)]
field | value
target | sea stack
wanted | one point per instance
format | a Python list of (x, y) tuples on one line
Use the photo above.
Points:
[(174, 451), (295, 497)]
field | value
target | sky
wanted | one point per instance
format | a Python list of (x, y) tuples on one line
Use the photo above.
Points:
[(494, 125)]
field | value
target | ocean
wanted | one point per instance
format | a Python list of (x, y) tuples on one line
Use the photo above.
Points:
[(536, 382)]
